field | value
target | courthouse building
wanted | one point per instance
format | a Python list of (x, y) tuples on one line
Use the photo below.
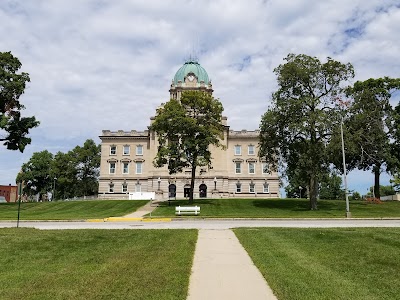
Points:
[(237, 171)]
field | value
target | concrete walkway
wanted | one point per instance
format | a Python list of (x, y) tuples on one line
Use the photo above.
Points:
[(142, 211), (222, 269)]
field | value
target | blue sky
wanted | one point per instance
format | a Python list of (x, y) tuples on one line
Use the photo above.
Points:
[(97, 64)]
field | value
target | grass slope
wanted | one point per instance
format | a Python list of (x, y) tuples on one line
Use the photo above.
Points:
[(69, 210), (359, 263), (283, 208), (95, 264)]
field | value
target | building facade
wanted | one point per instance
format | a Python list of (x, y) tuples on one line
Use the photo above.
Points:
[(237, 171), (9, 192)]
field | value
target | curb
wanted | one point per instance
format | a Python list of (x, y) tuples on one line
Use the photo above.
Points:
[(121, 219)]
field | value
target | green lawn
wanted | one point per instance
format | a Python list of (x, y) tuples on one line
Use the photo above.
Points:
[(224, 208), (283, 208), (359, 263), (95, 264), (69, 210)]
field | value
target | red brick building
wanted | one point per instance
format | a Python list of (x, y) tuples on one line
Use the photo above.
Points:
[(10, 192)]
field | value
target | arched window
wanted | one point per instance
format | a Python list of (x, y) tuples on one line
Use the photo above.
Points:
[(203, 190)]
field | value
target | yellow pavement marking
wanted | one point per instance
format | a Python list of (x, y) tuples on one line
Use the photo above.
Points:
[(157, 220), (122, 219)]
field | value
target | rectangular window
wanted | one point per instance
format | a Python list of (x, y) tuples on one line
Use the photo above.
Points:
[(265, 168), (124, 188), (139, 167), (113, 150), (112, 167), (252, 168), (238, 167), (251, 188), (238, 188), (126, 168), (127, 149), (139, 150), (251, 150), (266, 188), (238, 150), (138, 188), (111, 189)]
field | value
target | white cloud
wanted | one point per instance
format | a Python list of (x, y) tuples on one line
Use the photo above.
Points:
[(97, 64)]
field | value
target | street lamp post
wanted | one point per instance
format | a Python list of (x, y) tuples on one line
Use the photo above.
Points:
[(348, 213), (159, 182), (300, 188), (54, 189), (19, 200), (215, 183)]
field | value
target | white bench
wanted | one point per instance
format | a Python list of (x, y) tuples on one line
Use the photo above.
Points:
[(186, 210)]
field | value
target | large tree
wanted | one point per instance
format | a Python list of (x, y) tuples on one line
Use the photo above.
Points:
[(395, 147), (369, 128), (304, 111), (74, 173), (87, 166), (13, 128), (64, 169), (37, 174), (186, 129)]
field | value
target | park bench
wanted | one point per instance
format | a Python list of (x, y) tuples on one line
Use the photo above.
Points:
[(186, 210)]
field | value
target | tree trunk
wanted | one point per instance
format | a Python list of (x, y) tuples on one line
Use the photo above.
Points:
[(377, 173), (313, 192), (192, 183)]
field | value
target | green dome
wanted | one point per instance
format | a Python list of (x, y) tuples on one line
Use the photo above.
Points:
[(191, 67)]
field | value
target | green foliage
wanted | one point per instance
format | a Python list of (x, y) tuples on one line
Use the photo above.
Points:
[(385, 190), (185, 129), (64, 169), (368, 128), (355, 196), (12, 86), (297, 127), (87, 160), (36, 173), (395, 147), (396, 182), (328, 263), (74, 173), (331, 188), (95, 264)]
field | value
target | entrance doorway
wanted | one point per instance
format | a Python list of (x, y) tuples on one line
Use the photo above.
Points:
[(172, 191), (186, 191), (203, 190)]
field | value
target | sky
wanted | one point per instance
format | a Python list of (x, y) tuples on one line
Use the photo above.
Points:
[(97, 64)]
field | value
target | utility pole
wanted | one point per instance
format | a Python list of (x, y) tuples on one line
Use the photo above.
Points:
[(348, 213)]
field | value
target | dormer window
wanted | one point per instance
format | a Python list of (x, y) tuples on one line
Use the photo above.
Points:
[(190, 77)]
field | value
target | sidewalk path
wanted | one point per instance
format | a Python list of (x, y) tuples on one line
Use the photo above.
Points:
[(222, 269), (208, 224), (142, 211)]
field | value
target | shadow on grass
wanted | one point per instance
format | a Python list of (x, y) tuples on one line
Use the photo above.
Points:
[(185, 202), (297, 204)]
